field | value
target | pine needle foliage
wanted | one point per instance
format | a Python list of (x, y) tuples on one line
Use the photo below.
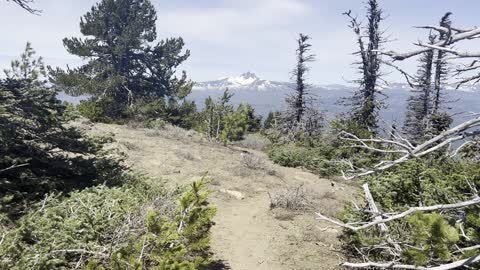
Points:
[(135, 226), (367, 100), (39, 152), (123, 60), (426, 239)]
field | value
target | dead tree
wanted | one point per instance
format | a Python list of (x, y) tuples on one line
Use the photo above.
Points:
[(419, 104), (398, 150), (297, 102), (366, 101), (405, 150), (382, 219), (466, 72), (302, 117)]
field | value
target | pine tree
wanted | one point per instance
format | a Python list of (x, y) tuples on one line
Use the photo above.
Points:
[(440, 119), (272, 121), (441, 69), (366, 102), (214, 114), (425, 115), (28, 69), (420, 107), (123, 65), (297, 102)]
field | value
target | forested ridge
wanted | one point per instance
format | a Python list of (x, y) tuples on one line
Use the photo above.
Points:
[(135, 176)]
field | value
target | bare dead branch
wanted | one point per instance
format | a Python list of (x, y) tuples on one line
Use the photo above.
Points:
[(13, 167), (461, 54), (26, 4), (454, 39), (401, 215), (405, 148), (80, 251), (393, 265), (383, 227), (407, 76)]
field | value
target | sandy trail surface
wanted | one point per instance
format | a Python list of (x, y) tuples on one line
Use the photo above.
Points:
[(248, 235)]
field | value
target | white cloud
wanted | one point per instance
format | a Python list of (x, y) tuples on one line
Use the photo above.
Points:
[(230, 20)]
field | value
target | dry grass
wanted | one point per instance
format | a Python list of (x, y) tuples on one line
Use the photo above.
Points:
[(172, 132), (255, 163), (292, 199), (130, 146), (253, 141), (185, 155)]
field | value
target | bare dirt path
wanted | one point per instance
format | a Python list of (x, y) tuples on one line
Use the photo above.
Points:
[(247, 234)]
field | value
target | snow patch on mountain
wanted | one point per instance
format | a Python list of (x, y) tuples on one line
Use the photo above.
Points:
[(246, 81)]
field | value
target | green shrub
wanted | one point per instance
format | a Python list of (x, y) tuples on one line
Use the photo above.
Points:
[(235, 125), (150, 111), (135, 226), (103, 110), (427, 239), (39, 154)]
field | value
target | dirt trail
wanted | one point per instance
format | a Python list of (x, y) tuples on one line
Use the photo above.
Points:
[(247, 234)]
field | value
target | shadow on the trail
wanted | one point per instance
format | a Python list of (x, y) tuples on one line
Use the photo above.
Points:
[(219, 265)]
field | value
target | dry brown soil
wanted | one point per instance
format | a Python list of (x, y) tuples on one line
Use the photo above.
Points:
[(248, 234)]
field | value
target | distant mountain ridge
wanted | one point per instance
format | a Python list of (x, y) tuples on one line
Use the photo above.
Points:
[(266, 96), (251, 82)]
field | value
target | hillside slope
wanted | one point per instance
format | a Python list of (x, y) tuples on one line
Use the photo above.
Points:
[(247, 234)]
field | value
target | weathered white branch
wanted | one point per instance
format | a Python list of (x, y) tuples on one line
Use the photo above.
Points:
[(452, 51), (454, 38), (374, 209), (80, 251), (462, 250), (13, 167), (445, 138), (401, 215), (392, 265)]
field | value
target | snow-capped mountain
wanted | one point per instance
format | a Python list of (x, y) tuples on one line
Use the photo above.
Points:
[(246, 81)]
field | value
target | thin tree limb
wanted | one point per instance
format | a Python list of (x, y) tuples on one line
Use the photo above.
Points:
[(401, 215), (392, 265)]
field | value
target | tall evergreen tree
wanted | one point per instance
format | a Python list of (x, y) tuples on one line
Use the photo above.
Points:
[(27, 68), (426, 116), (366, 101), (441, 69), (420, 107), (123, 65), (297, 102), (440, 119), (38, 152)]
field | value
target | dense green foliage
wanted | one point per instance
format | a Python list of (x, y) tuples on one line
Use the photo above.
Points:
[(221, 122), (67, 203), (39, 153), (324, 154), (135, 226), (425, 238), (124, 64)]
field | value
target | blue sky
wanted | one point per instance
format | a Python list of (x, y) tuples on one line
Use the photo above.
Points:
[(228, 37)]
